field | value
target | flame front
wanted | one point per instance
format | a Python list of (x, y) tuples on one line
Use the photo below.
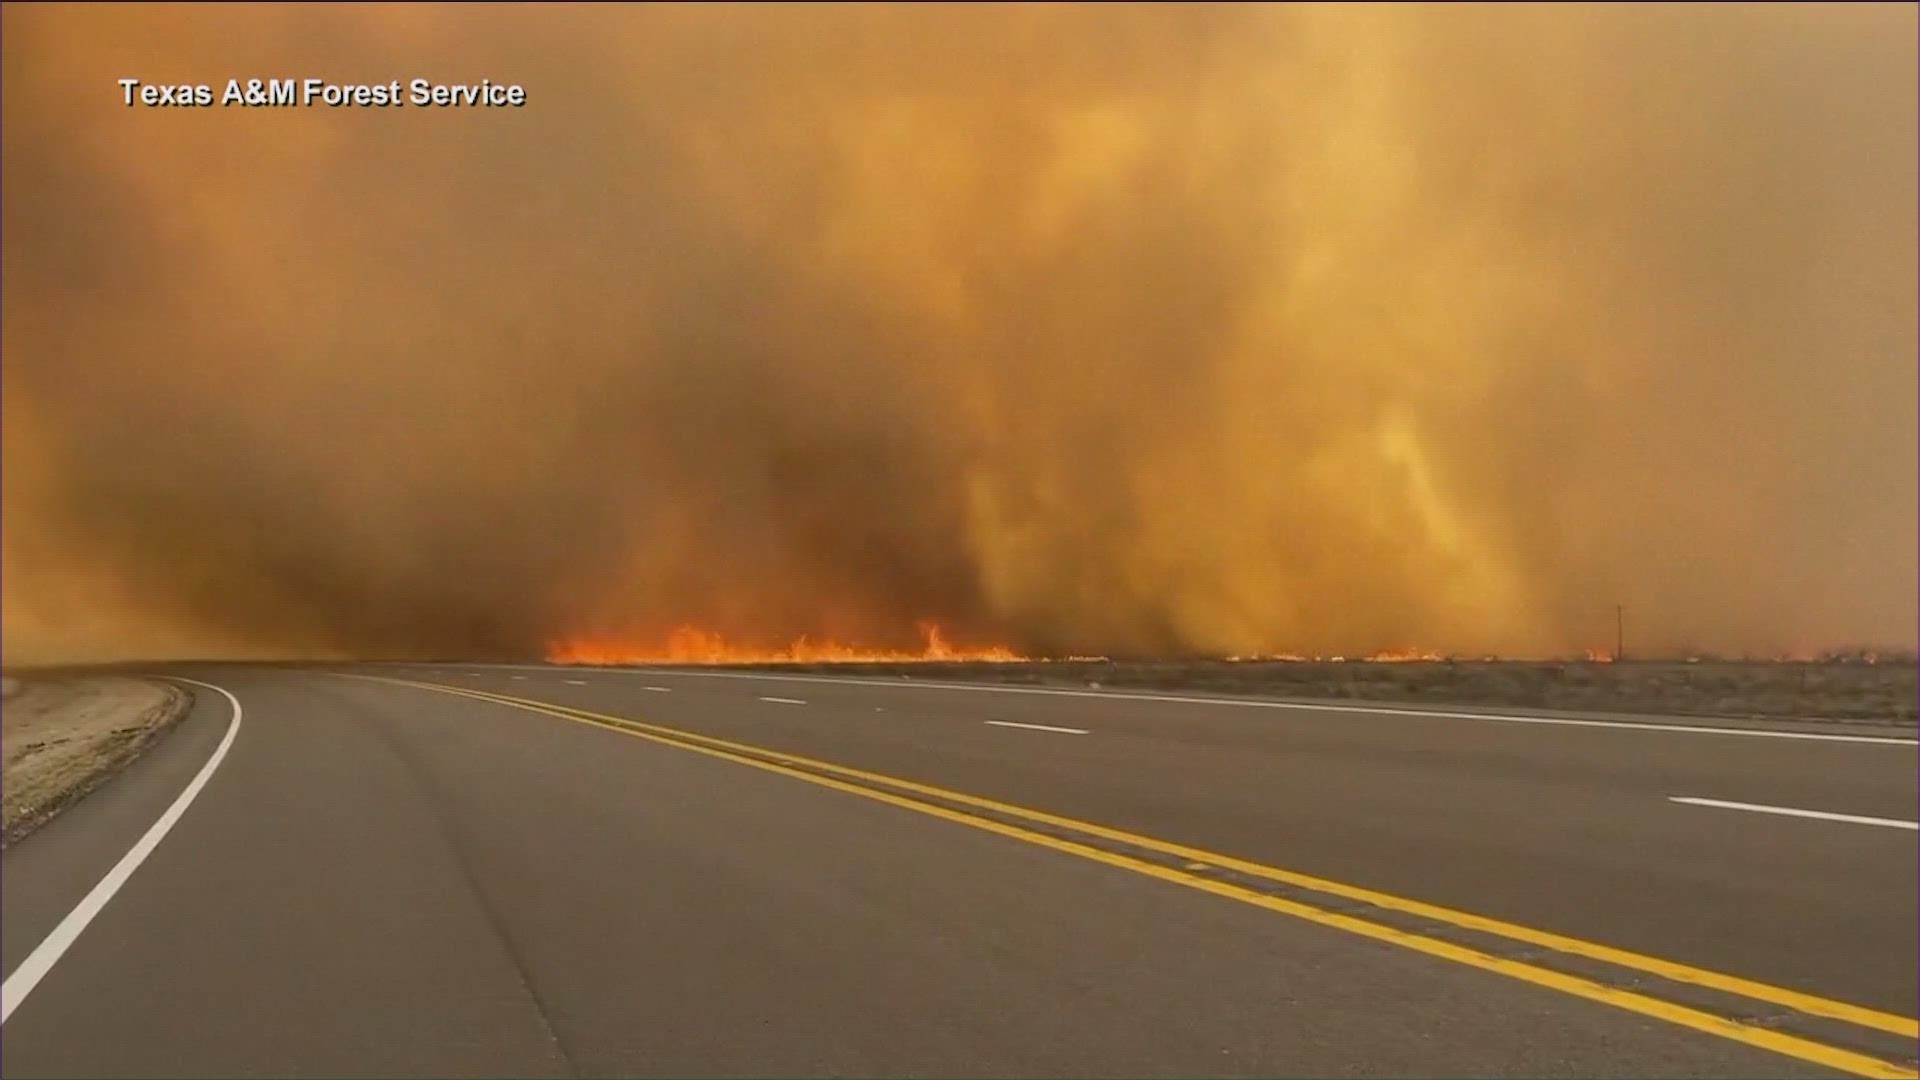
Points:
[(1406, 656), (693, 645)]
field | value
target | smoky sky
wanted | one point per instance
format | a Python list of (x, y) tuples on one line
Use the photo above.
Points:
[(1133, 328)]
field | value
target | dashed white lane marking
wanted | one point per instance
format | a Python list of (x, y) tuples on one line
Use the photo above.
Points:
[(660, 689), (518, 678), (1292, 706), (575, 682), (1788, 811), (21, 981), (784, 700), (1302, 706), (1040, 727)]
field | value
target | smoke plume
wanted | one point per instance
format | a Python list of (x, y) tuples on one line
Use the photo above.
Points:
[(1148, 328)]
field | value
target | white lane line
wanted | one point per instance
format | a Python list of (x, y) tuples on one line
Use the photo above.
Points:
[(1788, 811), (575, 682), (518, 678), (21, 981), (1039, 727), (1298, 706), (784, 700), (660, 689)]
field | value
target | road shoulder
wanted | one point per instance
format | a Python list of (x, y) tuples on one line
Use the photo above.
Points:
[(64, 737)]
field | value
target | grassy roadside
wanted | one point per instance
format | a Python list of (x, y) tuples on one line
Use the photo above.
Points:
[(62, 737), (1852, 692)]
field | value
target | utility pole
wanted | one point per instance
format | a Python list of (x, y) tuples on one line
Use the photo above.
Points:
[(1619, 632)]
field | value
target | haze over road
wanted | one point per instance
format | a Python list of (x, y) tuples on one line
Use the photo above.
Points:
[(464, 870)]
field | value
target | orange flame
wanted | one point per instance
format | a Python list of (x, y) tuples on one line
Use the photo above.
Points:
[(1599, 656), (1405, 656), (1388, 656), (691, 645)]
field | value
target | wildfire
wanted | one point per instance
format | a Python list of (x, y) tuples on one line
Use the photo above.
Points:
[(1389, 656), (691, 645), (1405, 656), (1599, 656)]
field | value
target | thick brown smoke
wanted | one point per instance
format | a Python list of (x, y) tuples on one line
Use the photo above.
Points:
[(1158, 328)]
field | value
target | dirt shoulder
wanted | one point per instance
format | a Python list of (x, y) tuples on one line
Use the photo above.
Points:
[(62, 737)]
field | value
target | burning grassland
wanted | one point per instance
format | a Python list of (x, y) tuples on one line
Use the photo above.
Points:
[(1123, 329), (692, 645)]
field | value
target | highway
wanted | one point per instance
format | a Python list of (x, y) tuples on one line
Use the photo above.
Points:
[(465, 870)]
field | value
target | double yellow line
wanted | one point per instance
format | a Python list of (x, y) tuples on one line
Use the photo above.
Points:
[(897, 792)]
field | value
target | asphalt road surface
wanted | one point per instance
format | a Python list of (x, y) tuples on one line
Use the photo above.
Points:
[(498, 871)]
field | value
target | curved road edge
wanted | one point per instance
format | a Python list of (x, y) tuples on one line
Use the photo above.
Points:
[(21, 981)]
